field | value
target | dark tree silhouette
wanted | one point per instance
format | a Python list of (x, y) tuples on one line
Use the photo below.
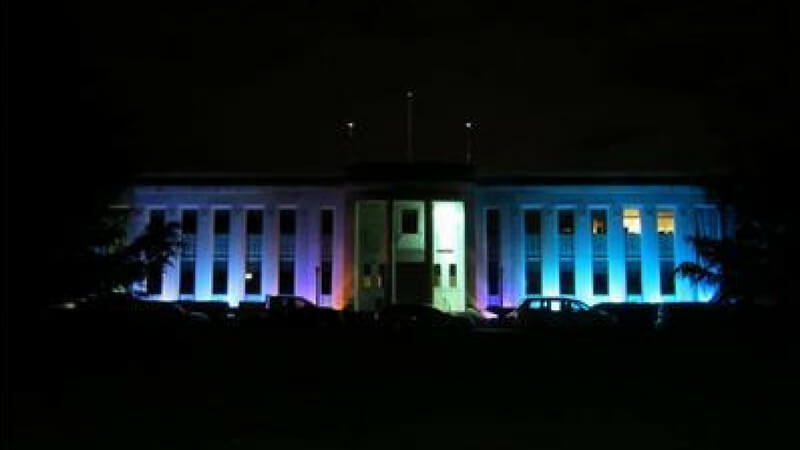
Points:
[(103, 263), (753, 265)]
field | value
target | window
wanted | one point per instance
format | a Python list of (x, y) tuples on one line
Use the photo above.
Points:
[(254, 227), (566, 252), (437, 275), (286, 254), (188, 252), (326, 280), (599, 222), (567, 277), (632, 224), (219, 285), (493, 276), (286, 278), (326, 252), (409, 219), (453, 275), (631, 221), (533, 252), (287, 221), (533, 277), (633, 277), (600, 276), (599, 231), (154, 279), (666, 250), (566, 222)]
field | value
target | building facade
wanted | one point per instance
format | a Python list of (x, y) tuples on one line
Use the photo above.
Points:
[(440, 235)]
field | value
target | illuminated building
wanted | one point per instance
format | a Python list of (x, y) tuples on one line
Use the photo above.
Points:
[(427, 233)]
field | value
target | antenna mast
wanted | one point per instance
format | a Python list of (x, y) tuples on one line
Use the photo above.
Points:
[(410, 121)]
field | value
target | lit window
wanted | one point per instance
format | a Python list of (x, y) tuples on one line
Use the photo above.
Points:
[(631, 221)]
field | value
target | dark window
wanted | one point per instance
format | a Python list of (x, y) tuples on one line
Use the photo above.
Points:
[(567, 277), (600, 277), (252, 278), (453, 275), (533, 277), (220, 279), (189, 222), (667, 277), (187, 278), (493, 221), (287, 221), (286, 278), (494, 279), (409, 218), (188, 252), (154, 281), (633, 276), (566, 222), (222, 221), (326, 222), (255, 221), (533, 223), (157, 217), (493, 251), (326, 278), (437, 275)]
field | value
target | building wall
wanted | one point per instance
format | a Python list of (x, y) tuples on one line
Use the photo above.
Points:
[(512, 201), (687, 202)]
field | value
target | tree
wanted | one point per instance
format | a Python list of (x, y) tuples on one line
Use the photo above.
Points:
[(753, 265), (101, 263)]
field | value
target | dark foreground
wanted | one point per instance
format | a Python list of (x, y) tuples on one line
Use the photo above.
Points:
[(222, 387)]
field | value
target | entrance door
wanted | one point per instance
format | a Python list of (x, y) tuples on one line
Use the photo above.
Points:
[(449, 272), (411, 280), (370, 255)]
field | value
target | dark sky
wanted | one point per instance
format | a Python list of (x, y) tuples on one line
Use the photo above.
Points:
[(266, 86)]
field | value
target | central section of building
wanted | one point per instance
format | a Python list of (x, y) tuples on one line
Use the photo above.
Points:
[(410, 251)]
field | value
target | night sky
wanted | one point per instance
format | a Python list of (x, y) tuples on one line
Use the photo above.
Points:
[(267, 86)]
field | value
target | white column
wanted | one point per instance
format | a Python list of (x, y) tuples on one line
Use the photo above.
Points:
[(651, 276), (313, 253), (511, 242), (205, 254), (172, 270), (479, 257), (684, 251), (583, 254), (616, 255), (341, 282), (303, 265), (269, 260), (550, 255), (236, 255)]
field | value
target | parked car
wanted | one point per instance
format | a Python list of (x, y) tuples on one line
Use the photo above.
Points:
[(557, 312), (124, 310), (635, 317), (688, 317), (292, 310), (418, 316), (215, 311), (500, 313), (252, 313)]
